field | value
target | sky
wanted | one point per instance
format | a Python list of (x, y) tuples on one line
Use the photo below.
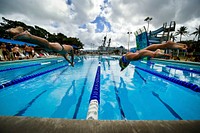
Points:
[(92, 20)]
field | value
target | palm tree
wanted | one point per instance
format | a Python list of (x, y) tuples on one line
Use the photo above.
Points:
[(196, 33), (182, 31)]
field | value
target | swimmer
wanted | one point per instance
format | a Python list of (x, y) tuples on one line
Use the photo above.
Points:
[(150, 51), (20, 34)]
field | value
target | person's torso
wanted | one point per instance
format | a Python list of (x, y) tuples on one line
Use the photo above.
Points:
[(9, 48), (15, 49), (3, 47)]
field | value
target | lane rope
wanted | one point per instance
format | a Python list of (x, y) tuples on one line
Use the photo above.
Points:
[(189, 85), (92, 113), (36, 64), (25, 78), (174, 67)]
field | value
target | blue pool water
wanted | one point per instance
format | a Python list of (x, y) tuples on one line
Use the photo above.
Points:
[(64, 92)]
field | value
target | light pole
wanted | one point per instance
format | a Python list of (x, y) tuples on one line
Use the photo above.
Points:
[(129, 33), (91, 48), (148, 19)]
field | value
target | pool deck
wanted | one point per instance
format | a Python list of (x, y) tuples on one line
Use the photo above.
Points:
[(14, 124)]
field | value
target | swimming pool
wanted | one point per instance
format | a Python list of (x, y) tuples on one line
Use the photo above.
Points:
[(53, 89)]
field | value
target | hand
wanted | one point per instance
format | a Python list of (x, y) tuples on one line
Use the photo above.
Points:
[(8, 30), (72, 64)]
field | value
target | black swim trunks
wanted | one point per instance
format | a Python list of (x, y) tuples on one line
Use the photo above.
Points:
[(62, 51)]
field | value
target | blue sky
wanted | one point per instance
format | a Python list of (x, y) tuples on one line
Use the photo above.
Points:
[(101, 24), (100, 21), (91, 20)]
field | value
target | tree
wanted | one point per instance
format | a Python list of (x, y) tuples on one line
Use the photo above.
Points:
[(182, 32), (196, 33)]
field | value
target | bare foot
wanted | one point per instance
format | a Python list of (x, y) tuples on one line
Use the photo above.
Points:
[(174, 45), (16, 30), (72, 64), (184, 46)]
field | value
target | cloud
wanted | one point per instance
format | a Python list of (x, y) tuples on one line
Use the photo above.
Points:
[(91, 20)]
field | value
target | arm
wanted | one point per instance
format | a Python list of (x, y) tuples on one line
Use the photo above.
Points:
[(72, 57), (65, 56), (71, 62)]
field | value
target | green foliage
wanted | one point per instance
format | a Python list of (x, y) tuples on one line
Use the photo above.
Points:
[(197, 33), (182, 31)]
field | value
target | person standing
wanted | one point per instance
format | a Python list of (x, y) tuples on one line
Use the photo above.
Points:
[(189, 53), (4, 51), (16, 52), (26, 51), (9, 48)]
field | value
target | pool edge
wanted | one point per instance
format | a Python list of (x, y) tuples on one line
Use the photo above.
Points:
[(29, 60), (44, 125), (175, 61)]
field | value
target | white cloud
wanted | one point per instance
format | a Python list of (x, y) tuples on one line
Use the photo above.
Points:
[(123, 15)]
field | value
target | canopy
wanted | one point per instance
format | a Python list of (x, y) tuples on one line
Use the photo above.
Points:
[(16, 42)]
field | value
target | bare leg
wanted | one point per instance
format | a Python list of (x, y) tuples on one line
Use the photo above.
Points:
[(72, 57), (27, 37), (16, 30), (167, 45), (22, 35), (144, 53)]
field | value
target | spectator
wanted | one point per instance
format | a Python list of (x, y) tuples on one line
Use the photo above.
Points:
[(9, 48), (16, 53), (189, 53), (4, 51), (29, 51)]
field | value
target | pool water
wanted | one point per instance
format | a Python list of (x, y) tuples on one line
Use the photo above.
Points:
[(134, 94)]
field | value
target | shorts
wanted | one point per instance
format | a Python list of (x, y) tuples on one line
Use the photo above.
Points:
[(16, 54), (4, 53)]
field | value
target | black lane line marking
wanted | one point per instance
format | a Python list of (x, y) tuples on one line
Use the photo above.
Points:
[(83, 89), (167, 106), (21, 112)]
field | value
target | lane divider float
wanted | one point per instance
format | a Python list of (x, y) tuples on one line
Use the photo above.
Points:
[(174, 67), (37, 64), (25, 78), (189, 85), (92, 113)]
